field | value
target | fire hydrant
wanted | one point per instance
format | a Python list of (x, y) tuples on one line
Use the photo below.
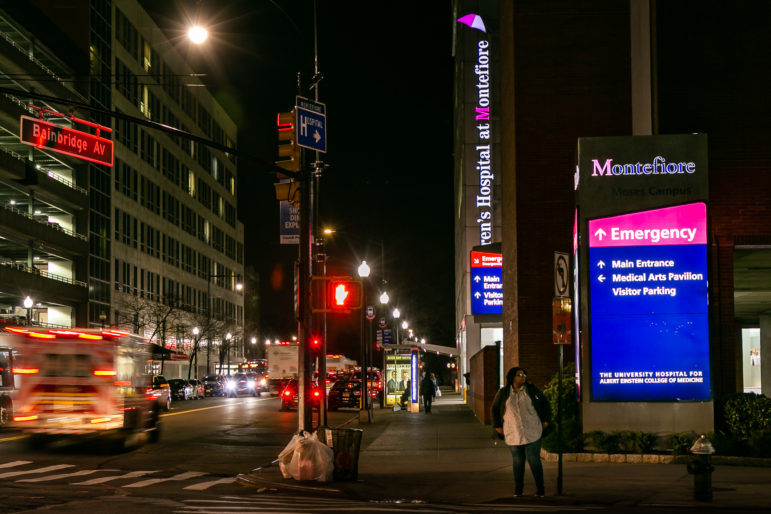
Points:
[(701, 468)]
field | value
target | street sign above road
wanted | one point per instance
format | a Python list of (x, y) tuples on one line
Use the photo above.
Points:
[(311, 124)]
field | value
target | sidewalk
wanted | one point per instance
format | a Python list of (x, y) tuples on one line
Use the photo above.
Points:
[(448, 456)]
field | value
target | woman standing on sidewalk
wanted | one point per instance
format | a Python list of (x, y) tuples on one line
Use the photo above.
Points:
[(520, 414)]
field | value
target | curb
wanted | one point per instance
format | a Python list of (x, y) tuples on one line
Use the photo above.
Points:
[(651, 458)]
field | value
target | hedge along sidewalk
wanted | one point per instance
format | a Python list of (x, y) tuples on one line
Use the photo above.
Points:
[(651, 458)]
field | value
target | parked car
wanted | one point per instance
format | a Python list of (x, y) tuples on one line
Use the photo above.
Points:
[(290, 397), (180, 389), (214, 385), (374, 380), (347, 393), (240, 384), (199, 390), (159, 388)]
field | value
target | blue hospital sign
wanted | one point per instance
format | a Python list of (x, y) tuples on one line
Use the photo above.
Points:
[(486, 283), (648, 305)]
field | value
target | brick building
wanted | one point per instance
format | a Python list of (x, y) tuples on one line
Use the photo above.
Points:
[(608, 68)]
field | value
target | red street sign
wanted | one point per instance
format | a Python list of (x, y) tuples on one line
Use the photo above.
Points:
[(82, 145)]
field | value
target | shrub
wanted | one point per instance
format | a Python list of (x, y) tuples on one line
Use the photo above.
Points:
[(681, 443), (627, 441), (604, 442), (728, 444), (571, 422), (760, 444), (747, 414), (644, 442)]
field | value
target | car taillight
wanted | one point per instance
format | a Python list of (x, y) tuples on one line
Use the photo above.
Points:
[(25, 418), (100, 420), (105, 373), (316, 393), (26, 371), (287, 392)]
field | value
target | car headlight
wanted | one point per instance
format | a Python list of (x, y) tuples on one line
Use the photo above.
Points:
[(230, 385), (250, 384), (263, 382)]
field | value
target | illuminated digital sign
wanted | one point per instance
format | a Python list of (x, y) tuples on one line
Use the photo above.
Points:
[(486, 283), (64, 140), (648, 305)]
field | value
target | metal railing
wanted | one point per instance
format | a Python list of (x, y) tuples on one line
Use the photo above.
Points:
[(43, 273), (54, 226), (44, 170)]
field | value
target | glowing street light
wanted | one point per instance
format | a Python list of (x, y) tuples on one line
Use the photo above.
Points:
[(197, 34), (384, 298), (405, 325), (363, 269)]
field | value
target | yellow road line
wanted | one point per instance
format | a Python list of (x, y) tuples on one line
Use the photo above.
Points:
[(213, 407), (13, 438)]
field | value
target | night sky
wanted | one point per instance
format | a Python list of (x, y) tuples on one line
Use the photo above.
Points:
[(388, 89)]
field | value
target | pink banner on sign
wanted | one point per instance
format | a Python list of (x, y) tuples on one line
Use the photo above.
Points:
[(680, 225)]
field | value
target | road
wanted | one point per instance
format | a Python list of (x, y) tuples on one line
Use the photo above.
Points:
[(204, 444)]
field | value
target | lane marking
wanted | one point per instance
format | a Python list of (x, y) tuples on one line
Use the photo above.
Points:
[(15, 463), (132, 474), (64, 475), (205, 485), (13, 438), (153, 481), (33, 471), (214, 407)]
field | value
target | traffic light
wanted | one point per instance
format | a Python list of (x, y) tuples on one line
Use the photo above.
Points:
[(316, 344), (288, 151), (338, 294), (343, 295)]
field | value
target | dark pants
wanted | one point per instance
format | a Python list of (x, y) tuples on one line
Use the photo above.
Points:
[(427, 402), (532, 453)]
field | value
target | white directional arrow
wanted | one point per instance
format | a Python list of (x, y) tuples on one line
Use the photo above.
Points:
[(316, 136), (477, 295), (601, 278), (477, 278), (601, 264), (600, 233)]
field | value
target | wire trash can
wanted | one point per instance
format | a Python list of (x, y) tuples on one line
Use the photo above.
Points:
[(345, 444)]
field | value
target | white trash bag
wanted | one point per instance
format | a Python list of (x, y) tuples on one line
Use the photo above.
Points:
[(307, 458)]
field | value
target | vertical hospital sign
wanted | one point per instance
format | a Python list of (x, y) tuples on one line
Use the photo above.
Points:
[(479, 143)]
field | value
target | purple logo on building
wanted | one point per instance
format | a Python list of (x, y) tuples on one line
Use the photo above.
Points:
[(474, 21)]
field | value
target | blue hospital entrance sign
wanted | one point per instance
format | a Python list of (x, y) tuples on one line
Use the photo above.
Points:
[(486, 283), (648, 305)]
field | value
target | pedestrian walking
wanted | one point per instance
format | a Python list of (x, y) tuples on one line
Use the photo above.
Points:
[(521, 413), (427, 391)]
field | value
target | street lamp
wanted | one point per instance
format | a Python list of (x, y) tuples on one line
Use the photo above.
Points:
[(228, 337), (28, 305), (197, 34), (396, 315), (364, 273), (384, 298)]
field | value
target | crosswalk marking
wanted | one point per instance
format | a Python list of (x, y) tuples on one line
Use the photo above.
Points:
[(153, 481), (33, 471), (64, 475), (132, 474), (205, 485), (15, 463)]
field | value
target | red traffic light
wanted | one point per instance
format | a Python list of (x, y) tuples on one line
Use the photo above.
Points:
[(343, 295), (315, 343)]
